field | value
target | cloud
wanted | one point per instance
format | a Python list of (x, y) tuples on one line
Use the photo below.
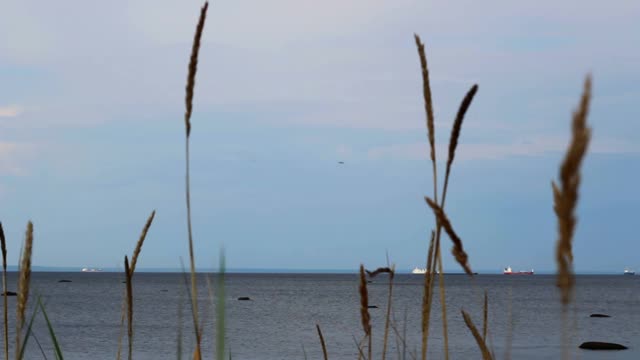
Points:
[(485, 151), (10, 111)]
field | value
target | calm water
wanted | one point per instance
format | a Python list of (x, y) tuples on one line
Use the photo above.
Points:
[(280, 320)]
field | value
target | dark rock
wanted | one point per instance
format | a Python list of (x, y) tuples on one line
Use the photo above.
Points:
[(244, 298), (372, 307), (600, 315), (9, 293), (63, 281), (597, 345), (369, 281)]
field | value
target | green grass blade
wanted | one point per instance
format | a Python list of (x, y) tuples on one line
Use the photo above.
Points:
[(51, 332), (35, 338), (28, 333)]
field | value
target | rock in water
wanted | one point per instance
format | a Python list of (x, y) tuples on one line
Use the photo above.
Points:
[(597, 345), (9, 293), (600, 315), (244, 298), (63, 280)]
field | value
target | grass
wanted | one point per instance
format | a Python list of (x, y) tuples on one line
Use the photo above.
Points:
[(565, 196), (190, 88)]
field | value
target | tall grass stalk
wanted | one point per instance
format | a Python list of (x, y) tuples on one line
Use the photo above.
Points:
[(486, 354), (127, 272), (23, 284), (189, 89), (430, 121), (443, 303), (3, 245), (565, 196), (427, 296), (485, 316), (134, 260), (365, 317), (193, 65), (428, 108), (458, 250), (437, 263), (388, 314), (324, 346), (565, 199)]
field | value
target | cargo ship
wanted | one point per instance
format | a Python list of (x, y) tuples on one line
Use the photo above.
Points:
[(508, 271)]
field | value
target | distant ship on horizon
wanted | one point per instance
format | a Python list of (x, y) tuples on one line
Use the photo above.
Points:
[(508, 271), (628, 271), (417, 270), (91, 270)]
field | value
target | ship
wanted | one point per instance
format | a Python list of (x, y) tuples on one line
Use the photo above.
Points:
[(91, 270), (508, 271), (628, 271), (417, 270)]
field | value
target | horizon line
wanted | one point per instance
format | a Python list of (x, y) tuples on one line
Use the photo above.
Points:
[(159, 269)]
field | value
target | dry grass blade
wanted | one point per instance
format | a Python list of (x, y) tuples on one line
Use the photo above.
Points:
[(123, 310), (324, 346), (193, 68), (428, 107), (486, 354), (443, 303), (458, 251), (128, 274), (455, 135), (23, 284), (566, 196), (143, 235), (364, 303), (457, 124), (3, 243), (364, 307), (132, 269), (380, 270), (427, 297), (359, 345), (388, 314), (485, 317), (426, 91)]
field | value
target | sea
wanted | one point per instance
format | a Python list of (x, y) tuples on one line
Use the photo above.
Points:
[(525, 317)]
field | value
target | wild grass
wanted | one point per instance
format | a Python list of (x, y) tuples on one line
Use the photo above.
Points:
[(126, 310), (365, 317), (486, 354), (565, 202), (565, 196), (322, 343), (23, 284), (190, 88), (3, 246)]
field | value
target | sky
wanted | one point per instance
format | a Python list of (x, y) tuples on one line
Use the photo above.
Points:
[(92, 131)]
